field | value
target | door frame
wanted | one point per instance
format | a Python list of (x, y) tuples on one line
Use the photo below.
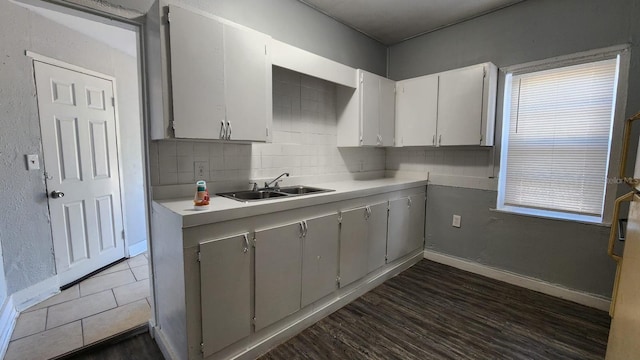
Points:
[(137, 24), (64, 65)]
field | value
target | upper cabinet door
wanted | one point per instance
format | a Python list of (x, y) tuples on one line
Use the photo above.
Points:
[(387, 112), (369, 109), (417, 111), (197, 75), (247, 84), (460, 106)]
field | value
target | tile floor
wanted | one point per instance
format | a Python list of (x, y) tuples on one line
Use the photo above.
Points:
[(108, 303)]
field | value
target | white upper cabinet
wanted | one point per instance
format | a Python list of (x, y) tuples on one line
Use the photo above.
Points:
[(466, 105), (417, 111), (451, 108), (220, 79), (366, 115)]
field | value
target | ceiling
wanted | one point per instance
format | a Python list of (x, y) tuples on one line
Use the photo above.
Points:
[(392, 21)]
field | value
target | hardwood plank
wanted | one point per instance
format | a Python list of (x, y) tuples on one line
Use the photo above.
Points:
[(433, 311)]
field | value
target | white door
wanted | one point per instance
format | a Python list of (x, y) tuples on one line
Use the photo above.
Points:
[(77, 120), (369, 109), (387, 117), (460, 99), (417, 111)]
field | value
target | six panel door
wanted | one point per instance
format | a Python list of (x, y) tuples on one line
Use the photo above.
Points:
[(78, 124)]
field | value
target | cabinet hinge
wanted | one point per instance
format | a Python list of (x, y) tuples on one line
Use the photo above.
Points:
[(386, 258), (481, 139), (168, 15), (199, 258), (361, 78), (172, 123), (202, 348), (113, 101), (340, 219), (338, 281), (122, 234), (253, 321), (254, 242), (484, 72)]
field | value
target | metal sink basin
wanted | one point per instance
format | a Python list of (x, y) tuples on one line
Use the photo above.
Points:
[(301, 190), (253, 195), (279, 193)]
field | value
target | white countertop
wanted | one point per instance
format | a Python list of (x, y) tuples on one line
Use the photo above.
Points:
[(223, 209)]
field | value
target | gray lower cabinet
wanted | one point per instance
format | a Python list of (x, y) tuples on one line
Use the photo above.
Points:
[(406, 226), (353, 245), (225, 285), (377, 235), (278, 272), (319, 258)]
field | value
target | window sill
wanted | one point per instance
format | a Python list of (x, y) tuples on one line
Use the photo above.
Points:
[(581, 219)]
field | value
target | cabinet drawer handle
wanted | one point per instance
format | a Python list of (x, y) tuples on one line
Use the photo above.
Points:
[(223, 130), (306, 227), (301, 229), (229, 130), (245, 249)]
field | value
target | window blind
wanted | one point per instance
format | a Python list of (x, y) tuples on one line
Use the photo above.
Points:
[(559, 138)]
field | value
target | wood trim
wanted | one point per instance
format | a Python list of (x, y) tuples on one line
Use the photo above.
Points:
[(526, 282), (8, 318)]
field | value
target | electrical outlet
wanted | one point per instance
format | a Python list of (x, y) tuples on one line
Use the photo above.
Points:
[(201, 169), (33, 162), (456, 221)]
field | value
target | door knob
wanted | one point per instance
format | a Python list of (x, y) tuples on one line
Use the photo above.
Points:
[(56, 194)]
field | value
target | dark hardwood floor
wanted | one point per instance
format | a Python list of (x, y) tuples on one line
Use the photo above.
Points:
[(138, 347), (433, 311)]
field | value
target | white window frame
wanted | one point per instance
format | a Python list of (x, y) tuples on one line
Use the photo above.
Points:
[(621, 51)]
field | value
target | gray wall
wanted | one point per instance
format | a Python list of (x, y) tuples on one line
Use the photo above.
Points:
[(570, 254), (25, 233)]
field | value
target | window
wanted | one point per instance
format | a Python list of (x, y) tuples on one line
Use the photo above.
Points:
[(556, 139)]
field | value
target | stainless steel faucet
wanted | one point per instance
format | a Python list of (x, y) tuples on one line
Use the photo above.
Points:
[(276, 180)]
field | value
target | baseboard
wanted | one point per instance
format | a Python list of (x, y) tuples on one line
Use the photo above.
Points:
[(163, 344), (138, 248), (37, 293), (8, 318), (555, 290)]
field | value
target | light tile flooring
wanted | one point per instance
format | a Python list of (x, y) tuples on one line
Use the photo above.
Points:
[(108, 303)]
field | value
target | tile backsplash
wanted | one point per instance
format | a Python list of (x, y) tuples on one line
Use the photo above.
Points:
[(304, 142)]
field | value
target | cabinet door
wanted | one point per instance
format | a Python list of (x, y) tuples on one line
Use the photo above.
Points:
[(278, 268), (320, 258), (369, 109), (225, 292), (460, 101), (398, 234), (353, 245), (417, 111), (416, 221), (197, 75), (247, 84), (377, 224), (387, 119)]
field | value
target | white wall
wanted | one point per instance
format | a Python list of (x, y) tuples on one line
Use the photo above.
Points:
[(304, 143)]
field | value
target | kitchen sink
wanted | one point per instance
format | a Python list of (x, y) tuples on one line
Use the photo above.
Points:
[(301, 190), (253, 195), (273, 193)]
